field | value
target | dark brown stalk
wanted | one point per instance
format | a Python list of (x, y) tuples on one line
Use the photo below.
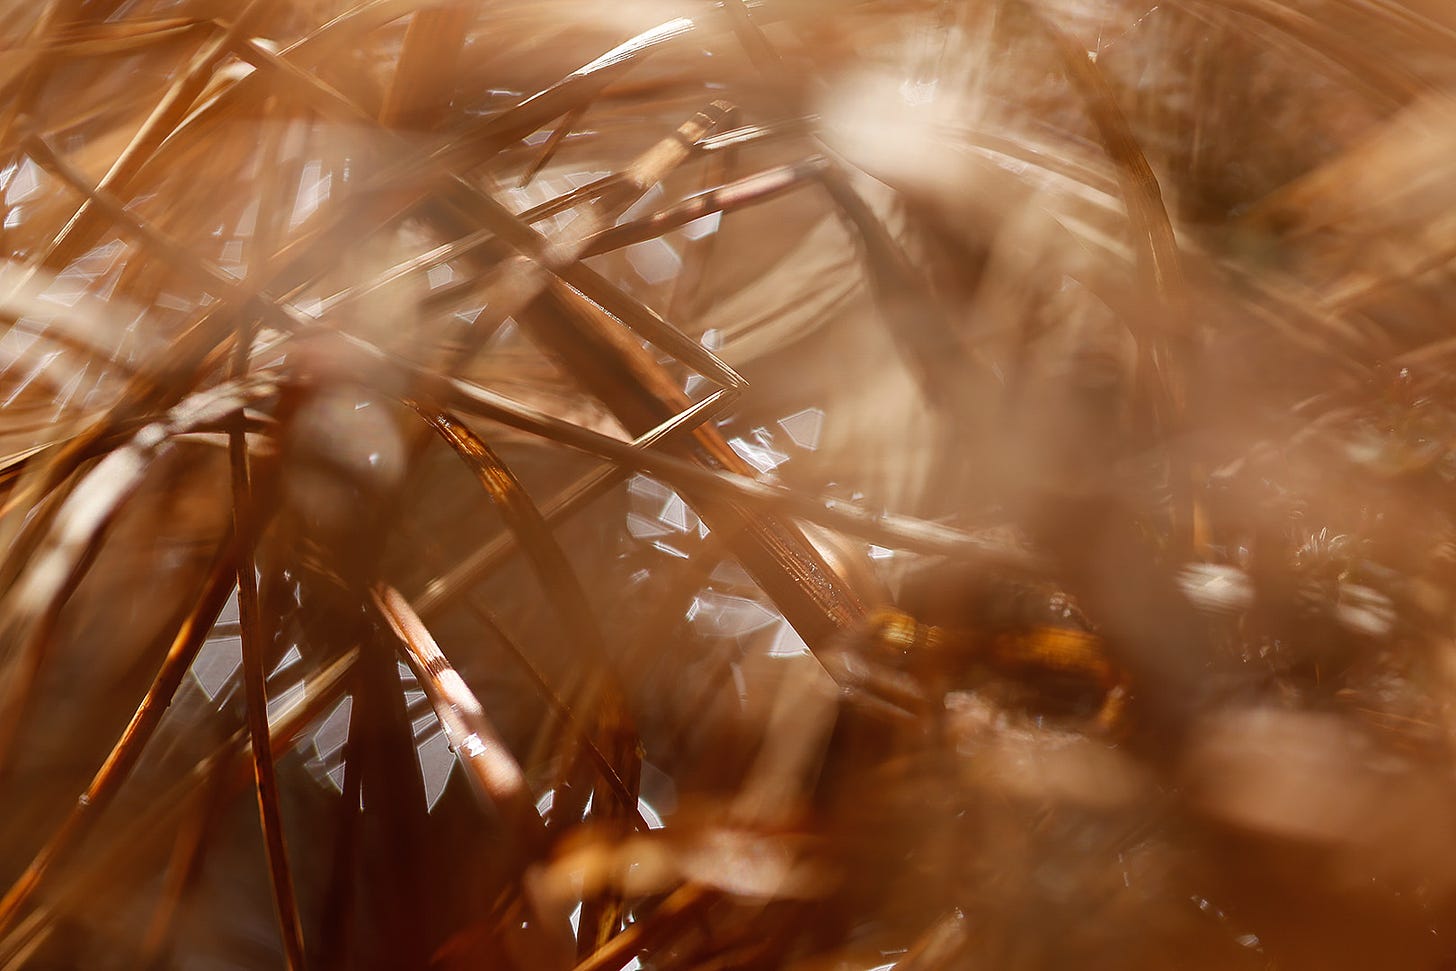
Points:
[(265, 776), (337, 924), (388, 815)]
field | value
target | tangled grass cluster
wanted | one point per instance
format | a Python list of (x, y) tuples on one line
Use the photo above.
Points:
[(684, 484)]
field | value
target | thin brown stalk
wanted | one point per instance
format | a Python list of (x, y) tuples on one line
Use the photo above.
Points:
[(557, 577), (1167, 341), (81, 230), (754, 134), (245, 526), (750, 35), (625, 797), (1157, 247), (910, 311), (553, 143), (442, 590), (890, 529), (655, 929), (248, 525), (641, 393), (347, 29), (190, 636), (201, 271), (480, 207), (81, 522), (686, 289), (580, 87), (495, 776), (523, 518), (751, 190), (114, 865), (614, 723)]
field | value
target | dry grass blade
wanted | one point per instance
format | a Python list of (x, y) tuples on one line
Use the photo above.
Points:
[(203, 273), (442, 590), (117, 863), (578, 88), (1157, 246), (80, 232), (895, 530), (480, 207), (748, 191), (340, 32), (425, 75), (119, 38), (552, 144), (909, 310), (532, 531), (641, 394), (128, 748), (681, 906), (580, 281), (247, 525), (51, 575), (1068, 257), (495, 776), (626, 799), (558, 578), (83, 327)]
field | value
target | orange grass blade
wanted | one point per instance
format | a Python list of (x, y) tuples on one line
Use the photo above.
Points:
[(124, 753)]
